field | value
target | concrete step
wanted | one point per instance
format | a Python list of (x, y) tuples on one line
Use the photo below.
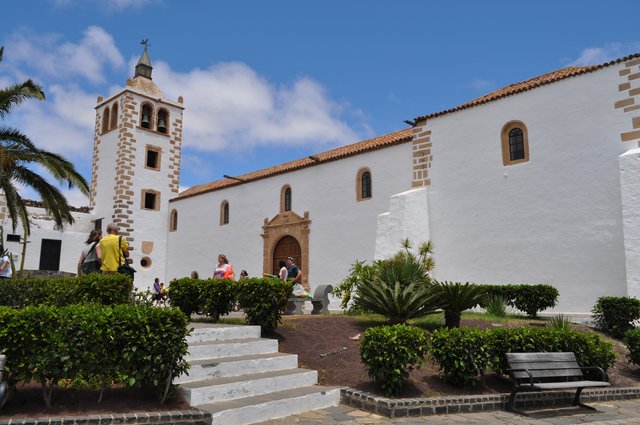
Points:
[(215, 390), (272, 406), (230, 348), (219, 332), (235, 366)]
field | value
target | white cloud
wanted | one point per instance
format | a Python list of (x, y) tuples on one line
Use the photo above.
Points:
[(54, 57), (597, 55), (229, 106)]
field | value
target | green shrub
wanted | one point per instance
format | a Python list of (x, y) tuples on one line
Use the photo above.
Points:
[(262, 300), (496, 306), (217, 296), (561, 322), (108, 289), (404, 267), (185, 295), (632, 340), (454, 297), (530, 299), (464, 354), (388, 352), (615, 315), (138, 346), (461, 354), (535, 298)]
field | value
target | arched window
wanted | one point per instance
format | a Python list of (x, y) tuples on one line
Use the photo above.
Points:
[(146, 115), (364, 185), (173, 221), (285, 198), (515, 143), (114, 116), (224, 213), (105, 120), (163, 119)]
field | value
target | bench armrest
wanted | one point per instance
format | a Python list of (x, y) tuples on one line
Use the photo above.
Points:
[(521, 370), (603, 376)]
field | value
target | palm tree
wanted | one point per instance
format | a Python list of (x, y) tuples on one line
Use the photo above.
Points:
[(18, 153)]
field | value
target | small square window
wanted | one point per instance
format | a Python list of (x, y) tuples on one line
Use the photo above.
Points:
[(153, 158), (150, 200)]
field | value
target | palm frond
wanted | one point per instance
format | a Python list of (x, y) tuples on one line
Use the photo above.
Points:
[(18, 93)]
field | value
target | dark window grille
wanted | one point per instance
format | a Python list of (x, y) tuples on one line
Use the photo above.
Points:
[(366, 184), (152, 159), (150, 200), (287, 199), (225, 213), (516, 144)]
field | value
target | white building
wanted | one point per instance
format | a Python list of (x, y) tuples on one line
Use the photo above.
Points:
[(533, 183)]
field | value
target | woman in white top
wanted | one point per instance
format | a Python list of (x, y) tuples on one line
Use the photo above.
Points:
[(284, 273), (5, 267)]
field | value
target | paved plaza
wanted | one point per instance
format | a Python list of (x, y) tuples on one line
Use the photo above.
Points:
[(611, 413)]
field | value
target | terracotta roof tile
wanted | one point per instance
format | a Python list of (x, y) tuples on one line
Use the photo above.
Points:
[(532, 83), (387, 140)]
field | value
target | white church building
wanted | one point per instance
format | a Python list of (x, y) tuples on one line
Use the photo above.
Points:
[(537, 182)]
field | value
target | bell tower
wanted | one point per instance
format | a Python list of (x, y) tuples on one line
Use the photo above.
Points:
[(136, 167)]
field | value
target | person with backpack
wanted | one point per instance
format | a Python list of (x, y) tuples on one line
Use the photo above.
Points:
[(90, 257)]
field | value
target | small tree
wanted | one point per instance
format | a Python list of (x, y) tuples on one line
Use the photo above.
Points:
[(456, 297)]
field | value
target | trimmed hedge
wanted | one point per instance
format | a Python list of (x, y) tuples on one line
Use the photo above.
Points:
[(465, 354), (530, 299), (632, 340), (389, 352), (107, 289), (615, 315), (138, 346), (262, 300)]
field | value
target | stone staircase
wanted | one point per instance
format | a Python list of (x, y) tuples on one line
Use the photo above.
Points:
[(241, 378)]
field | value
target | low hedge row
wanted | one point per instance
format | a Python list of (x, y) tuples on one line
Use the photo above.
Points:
[(632, 340), (261, 299), (616, 315), (530, 299), (107, 289), (465, 354), (137, 346)]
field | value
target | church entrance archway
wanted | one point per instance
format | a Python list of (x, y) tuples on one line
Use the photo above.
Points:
[(287, 232), (288, 246)]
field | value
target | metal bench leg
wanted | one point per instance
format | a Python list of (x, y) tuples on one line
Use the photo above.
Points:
[(511, 405), (576, 400)]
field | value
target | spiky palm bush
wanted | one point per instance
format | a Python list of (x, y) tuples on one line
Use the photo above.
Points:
[(455, 297), (400, 289)]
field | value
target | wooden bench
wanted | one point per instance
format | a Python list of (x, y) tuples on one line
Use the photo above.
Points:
[(549, 371)]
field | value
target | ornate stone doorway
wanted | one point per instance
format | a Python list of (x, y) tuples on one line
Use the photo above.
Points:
[(288, 246), (286, 234)]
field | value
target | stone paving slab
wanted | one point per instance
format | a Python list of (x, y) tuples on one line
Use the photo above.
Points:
[(625, 412)]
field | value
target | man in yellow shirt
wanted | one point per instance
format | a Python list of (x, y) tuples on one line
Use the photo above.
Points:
[(113, 255)]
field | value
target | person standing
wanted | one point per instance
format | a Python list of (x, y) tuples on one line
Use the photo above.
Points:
[(5, 266), (283, 273), (114, 250), (89, 261), (295, 274), (223, 270)]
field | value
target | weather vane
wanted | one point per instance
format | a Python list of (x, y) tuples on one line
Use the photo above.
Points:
[(145, 42)]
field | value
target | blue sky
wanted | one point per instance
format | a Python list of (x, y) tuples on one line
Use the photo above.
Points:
[(265, 82)]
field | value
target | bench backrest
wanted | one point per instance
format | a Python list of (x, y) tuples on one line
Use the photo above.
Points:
[(544, 365)]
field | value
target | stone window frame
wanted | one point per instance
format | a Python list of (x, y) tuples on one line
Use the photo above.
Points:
[(166, 120), (151, 115), (359, 185), (173, 220), (283, 198), (143, 196), (114, 116), (154, 148), (504, 140), (224, 213), (105, 120)]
